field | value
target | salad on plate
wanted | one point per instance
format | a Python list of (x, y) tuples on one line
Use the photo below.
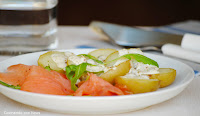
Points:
[(102, 72)]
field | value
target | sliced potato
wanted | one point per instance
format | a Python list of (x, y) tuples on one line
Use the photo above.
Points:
[(111, 57), (138, 85), (69, 62), (46, 60), (166, 76), (116, 54), (102, 53), (119, 70)]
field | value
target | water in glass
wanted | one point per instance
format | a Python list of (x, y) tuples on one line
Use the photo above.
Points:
[(28, 25)]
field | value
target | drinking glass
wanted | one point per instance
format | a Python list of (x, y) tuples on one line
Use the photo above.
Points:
[(27, 25)]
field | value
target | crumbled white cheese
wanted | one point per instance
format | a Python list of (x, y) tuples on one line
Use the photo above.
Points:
[(97, 68), (140, 70), (90, 61), (144, 68), (129, 75), (102, 57), (130, 51), (77, 59), (60, 60), (106, 69), (68, 54), (135, 50)]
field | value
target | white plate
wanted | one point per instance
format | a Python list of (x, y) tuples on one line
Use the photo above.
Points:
[(98, 105)]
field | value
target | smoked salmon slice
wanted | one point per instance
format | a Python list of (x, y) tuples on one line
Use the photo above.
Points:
[(62, 79), (124, 89), (96, 86), (37, 79), (15, 74), (40, 80)]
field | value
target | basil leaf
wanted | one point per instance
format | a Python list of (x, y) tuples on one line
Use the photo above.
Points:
[(11, 86), (69, 73), (79, 71), (137, 57), (141, 58), (74, 72), (48, 68), (73, 67), (92, 57)]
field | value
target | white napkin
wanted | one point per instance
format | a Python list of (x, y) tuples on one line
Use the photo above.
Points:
[(191, 42), (189, 49), (179, 52)]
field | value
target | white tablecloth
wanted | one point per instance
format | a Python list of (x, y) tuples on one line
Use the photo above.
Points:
[(186, 103)]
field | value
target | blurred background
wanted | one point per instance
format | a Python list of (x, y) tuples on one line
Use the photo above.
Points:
[(127, 12), (27, 23)]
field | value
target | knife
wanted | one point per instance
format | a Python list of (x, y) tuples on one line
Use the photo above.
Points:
[(134, 37)]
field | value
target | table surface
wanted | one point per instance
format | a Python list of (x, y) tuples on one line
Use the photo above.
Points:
[(185, 104)]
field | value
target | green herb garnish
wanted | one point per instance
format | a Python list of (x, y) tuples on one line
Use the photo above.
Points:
[(137, 57), (70, 71), (48, 68), (74, 72), (96, 72), (10, 86), (91, 57), (141, 58)]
